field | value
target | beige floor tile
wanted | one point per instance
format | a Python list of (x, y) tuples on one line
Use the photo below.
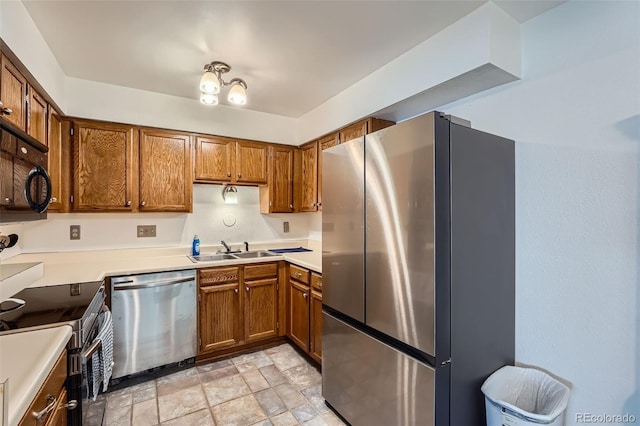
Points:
[(304, 412), (241, 411), (252, 361), (215, 365), (209, 376), (303, 375), (144, 391), (145, 413), (264, 422), (119, 400), (316, 421), (291, 397), (255, 380), (118, 416), (181, 402), (314, 395), (199, 418), (225, 389), (177, 381), (273, 375), (270, 402), (285, 359), (331, 419), (284, 419)]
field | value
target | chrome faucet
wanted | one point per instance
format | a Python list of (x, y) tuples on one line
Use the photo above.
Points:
[(226, 246)]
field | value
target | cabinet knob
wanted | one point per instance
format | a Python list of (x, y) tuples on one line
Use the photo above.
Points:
[(305, 295), (247, 288), (235, 291), (23, 150), (143, 203), (6, 111), (239, 175), (128, 203), (228, 174), (298, 274), (8, 200), (319, 204), (291, 206), (54, 200)]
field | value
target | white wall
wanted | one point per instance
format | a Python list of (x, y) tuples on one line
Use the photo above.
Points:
[(20, 33), (111, 230), (90, 99), (575, 117)]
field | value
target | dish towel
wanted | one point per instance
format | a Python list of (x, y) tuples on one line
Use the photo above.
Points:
[(102, 360)]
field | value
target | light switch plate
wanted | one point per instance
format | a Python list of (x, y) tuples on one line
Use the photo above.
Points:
[(146, 231), (74, 232)]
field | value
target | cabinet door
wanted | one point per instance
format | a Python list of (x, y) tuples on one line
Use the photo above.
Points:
[(13, 93), (214, 158), (299, 314), (315, 345), (309, 190), (6, 179), (165, 171), (104, 167), (353, 131), (220, 325), (251, 162), (37, 116), (58, 164), (260, 309), (324, 143), (282, 180)]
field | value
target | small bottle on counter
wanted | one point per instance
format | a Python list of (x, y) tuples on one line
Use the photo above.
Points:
[(195, 246)]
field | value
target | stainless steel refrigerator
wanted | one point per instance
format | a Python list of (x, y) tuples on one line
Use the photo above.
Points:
[(418, 266)]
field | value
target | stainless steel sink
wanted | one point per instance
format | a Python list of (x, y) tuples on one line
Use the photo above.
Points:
[(211, 257), (253, 254)]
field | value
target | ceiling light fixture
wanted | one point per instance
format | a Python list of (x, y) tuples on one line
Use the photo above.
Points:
[(212, 81)]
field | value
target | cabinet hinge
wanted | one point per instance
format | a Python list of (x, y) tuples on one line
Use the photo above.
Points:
[(199, 342), (278, 325), (71, 199), (270, 204), (277, 287), (71, 131)]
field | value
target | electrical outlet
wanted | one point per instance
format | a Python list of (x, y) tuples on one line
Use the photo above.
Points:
[(74, 232), (285, 227), (146, 231)]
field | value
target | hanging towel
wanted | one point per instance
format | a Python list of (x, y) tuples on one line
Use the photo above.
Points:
[(106, 350)]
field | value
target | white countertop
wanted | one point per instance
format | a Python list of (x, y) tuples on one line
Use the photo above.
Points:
[(26, 360), (88, 266)]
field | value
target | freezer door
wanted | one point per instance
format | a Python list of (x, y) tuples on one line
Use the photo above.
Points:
[(343, 228), (370, 383), (399, 187)]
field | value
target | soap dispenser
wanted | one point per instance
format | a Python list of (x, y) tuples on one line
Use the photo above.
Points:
[(195, 246)]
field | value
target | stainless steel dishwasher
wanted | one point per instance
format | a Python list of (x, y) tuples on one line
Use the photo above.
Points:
[(154, 320)]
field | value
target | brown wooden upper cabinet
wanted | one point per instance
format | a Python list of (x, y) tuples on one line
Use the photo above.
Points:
[(105, 167), (361, 128), (58, 166), (37, 118), (309, 177), (13, 94), (325, 142), (224, 160), (277, 196), (165, 171)]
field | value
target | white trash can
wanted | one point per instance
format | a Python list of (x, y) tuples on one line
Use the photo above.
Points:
[(516, 396)]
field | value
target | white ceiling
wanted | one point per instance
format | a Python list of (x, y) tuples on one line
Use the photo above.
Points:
[(294, 55)]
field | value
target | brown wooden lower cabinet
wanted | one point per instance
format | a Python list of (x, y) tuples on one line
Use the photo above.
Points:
[(304, 316), (52, 391), (237, 305)]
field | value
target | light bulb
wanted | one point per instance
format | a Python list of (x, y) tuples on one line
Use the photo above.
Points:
[(209, 99), (209, 83), (237, 95)]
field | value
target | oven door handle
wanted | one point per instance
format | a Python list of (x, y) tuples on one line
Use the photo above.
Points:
[(152, 284), (95, 346)]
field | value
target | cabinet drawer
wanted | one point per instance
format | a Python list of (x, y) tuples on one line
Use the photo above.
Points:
[(29, 153), (260, 271), (316, 281), (218, 276), (299, 274), (50, 389)]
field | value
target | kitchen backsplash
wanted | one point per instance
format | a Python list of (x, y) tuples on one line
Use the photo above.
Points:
[(211, 219)]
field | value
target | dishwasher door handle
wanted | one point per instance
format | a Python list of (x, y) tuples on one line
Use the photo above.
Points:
[(152, 284)]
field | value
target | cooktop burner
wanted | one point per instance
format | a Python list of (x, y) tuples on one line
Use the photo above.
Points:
[(47, 306)]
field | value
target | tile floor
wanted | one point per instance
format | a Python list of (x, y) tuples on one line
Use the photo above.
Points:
[(275, 386)]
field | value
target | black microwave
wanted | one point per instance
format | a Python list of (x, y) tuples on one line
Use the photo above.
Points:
[(25, 186)]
